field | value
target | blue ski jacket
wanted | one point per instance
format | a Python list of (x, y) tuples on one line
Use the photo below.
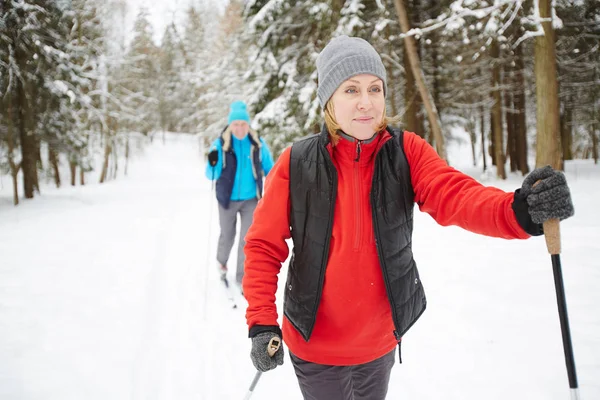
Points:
[(241, 167)]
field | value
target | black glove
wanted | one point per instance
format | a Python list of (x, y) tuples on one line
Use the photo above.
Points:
[(213, 157), (259, 355), (549, 199)]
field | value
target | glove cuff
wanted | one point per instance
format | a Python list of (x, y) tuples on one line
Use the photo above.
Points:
[(521, 209), (257, 329)]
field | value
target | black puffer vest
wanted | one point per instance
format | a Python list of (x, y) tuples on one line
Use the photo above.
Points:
[(313, 189)]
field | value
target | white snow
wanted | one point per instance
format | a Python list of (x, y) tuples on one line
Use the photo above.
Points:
[(111, 292)]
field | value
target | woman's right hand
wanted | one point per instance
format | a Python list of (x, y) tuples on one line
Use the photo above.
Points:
[(261, 343), (213, 158)]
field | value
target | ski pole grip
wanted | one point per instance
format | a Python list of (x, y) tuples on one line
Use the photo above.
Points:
[(551, 233), (273, 345)]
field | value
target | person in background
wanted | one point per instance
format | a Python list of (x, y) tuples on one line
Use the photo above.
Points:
[(346, 198), (238, 160)]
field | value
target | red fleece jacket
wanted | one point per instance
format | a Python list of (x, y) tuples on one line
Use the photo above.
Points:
[(354, 322)]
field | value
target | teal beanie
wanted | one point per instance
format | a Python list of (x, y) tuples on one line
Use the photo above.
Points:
[(238, 112)]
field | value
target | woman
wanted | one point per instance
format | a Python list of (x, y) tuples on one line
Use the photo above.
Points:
[(238, 161), (346, 198)]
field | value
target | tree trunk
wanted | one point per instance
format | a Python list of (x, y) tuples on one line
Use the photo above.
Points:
[(73, 169), (39, 166), (546, 88), (418, 73), (14, 168), (115, 163), (413, 117), (594, 145), (511, 143), (482, 126), (519, 118), (53, 160), (593, 134), (107, 151), (28, 146), (108, 139), (81, 176), (436, 80), (509, 115), (492, 152), (126, 154), (412, 101), (473, 137), (497, 112), (566, 130)]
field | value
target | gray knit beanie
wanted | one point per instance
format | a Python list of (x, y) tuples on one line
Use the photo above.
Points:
[(343, 58)]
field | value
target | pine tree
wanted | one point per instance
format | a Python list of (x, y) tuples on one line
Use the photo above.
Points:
[(36, 59), (141, 77), (169, 76)]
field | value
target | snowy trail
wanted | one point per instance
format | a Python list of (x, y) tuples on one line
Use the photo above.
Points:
[(112, 292)]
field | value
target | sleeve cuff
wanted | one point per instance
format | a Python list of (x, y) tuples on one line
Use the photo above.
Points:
[(256, 329), (521, 209)]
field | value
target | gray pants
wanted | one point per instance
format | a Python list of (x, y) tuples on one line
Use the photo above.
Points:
[(357, 382), (228, 222)]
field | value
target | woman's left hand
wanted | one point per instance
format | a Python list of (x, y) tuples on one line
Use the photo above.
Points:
[(547, 195)]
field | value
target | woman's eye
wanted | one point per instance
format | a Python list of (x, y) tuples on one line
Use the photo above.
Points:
[(376, 89), (351, 90)]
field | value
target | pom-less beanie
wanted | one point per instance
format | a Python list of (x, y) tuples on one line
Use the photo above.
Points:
[(343, 58), (238, 112)]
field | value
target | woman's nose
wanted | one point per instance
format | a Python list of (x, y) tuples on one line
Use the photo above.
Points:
[(364, 101)]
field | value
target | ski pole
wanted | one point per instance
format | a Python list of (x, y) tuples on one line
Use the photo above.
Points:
[(552, 236), (210, 217), (272, 348)]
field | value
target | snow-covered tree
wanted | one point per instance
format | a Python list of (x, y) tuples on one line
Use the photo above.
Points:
[(39, 73), (72, 115), (140, 77), (287, 36)]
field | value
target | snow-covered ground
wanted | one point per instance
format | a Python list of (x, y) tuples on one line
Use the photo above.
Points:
[(111, 292)]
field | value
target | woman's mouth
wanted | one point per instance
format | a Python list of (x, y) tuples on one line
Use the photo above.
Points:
[(364, 120)]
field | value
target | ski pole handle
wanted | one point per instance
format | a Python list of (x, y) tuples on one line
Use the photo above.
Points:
[(273, 345), (551, 233)]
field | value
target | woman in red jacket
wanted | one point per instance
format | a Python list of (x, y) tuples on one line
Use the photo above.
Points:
[(346, 199)]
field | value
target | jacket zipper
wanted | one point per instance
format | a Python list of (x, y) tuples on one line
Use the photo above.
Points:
[(241, 167), (357, 202)]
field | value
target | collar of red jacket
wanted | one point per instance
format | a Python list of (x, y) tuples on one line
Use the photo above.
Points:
[(352, 150)]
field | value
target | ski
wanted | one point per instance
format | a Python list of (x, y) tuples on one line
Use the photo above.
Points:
[(229, 291)]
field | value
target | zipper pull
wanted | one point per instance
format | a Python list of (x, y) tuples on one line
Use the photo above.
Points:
[(357, 150)]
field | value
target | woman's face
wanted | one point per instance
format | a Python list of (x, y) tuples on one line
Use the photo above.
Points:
[(239, 129), (359, 105)]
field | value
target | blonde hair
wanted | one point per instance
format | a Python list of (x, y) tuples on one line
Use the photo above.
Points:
[(333, 126)]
